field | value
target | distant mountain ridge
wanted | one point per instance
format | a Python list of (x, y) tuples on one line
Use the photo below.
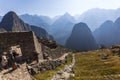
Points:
[(62, 27), (108, 33), (95, 17), (42, 21)]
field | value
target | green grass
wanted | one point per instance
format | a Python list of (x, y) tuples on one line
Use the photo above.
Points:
[(90, 66), (47, 75), (69, 59)]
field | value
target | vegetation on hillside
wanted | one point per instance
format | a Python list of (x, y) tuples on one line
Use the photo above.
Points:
[(97, 65)]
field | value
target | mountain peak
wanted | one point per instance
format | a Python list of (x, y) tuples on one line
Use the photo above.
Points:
[(67, 17), (80, 26), (81, 38), (67, 14), (11, 22), (11, 14)]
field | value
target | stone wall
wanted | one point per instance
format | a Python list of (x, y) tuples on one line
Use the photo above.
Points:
[(44, 66), (47, 65), (27, 41), (54, 53), (37, 46)]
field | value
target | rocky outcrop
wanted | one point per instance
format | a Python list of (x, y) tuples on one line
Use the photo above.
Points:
[(81, 38)]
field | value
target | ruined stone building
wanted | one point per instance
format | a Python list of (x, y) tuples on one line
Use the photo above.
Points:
[(27, 42)]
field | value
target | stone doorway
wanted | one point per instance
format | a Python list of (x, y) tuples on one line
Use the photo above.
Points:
[(16, 53), (17, 49)]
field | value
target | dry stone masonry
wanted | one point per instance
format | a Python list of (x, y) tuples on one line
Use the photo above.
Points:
[(45, 65), (27, 41)]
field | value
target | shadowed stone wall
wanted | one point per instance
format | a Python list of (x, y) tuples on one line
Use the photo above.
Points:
[(27, 41)]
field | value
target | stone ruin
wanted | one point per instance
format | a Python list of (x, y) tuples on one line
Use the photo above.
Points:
[(24, 42)]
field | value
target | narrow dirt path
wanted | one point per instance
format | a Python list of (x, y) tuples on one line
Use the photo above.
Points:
[(66, 72)]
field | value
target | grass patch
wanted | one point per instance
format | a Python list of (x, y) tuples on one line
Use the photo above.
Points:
[(47, 75), (90, 66), (69, 59)]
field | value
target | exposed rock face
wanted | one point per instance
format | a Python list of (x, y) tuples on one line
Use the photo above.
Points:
[(11, 22), (81, 38), (107, 33)]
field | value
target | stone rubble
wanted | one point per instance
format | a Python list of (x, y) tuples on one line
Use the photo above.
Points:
[(47, 65), (18, 74), (66, 72), (22, 73)]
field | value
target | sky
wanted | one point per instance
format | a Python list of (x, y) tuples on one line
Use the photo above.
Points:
[(55, 7)]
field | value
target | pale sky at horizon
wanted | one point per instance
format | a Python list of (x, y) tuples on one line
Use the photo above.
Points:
[(55, 7)]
